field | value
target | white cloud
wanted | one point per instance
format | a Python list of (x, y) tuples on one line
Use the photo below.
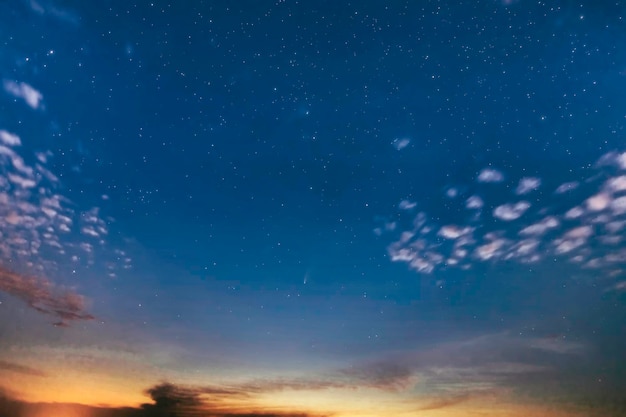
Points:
[(574, 213), (565, 187), (407, 205), (24, 91), (401, 143), (579, 232), (613, 159), (21, 181), (88, 230), (541, 227), (598, 202), (616, 184), (474, 202), (490, 175), (618, 206), (490, 250), (9, 139), (589, 232), (508, 212), (452, 192), (453, 232), (527, 184)]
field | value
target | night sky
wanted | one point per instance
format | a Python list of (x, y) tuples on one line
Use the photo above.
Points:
[(312, 208)]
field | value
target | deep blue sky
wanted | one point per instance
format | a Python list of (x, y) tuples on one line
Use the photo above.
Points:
[(280, 190)]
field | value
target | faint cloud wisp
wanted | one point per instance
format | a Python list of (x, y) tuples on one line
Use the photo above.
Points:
[(43, 296)]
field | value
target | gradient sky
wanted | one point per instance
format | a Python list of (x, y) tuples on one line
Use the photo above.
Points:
[(290, 208)]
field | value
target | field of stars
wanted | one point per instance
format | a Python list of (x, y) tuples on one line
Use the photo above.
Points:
[(281, 208)]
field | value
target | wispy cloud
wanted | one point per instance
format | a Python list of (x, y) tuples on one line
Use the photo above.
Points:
[(63, 304), (47, 8), (450, 400), (20, 369), (401, 143), (24, 91), (490, 175)]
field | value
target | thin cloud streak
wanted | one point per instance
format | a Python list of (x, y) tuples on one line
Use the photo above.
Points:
[(40, 294), (20, 369)]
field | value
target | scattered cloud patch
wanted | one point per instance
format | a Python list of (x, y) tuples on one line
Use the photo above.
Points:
[(585, 228), (39, 227), (47, 8), (566, 187), (452, 192), (490, 175), (401, 143), (453, 232), (598, 202), (9, 139), (508, 212), (24, 91), (407, 205), (541, 227), (527, 184), (474, 202)]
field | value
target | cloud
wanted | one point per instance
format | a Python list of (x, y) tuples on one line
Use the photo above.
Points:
[(174, 399), (566, 187), (46, 8), (40, 228), (40, 294), (171, 404), (384, 375), (20, 369), (181, 401), (407, 205), (446, 374), (26, 92), (527, 184), (381, 375), (9, 139), (449, 400), (508, 212), (401, 143), (474, 202), (490, 175), (583, 228), (477, 364)]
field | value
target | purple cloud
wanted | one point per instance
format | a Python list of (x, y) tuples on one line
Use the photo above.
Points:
[(43, 296)]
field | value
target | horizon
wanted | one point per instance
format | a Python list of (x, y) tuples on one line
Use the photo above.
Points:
[(347, 209)]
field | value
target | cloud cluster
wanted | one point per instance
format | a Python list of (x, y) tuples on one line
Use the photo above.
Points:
[(39, 226), (583, 225), (41, 229)]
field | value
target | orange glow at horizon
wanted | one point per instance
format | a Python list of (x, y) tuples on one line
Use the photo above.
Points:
[(98, 389), (335, 402)]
